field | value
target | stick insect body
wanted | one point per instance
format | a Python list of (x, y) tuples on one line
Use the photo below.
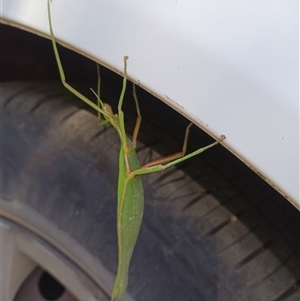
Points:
[(130, 188)]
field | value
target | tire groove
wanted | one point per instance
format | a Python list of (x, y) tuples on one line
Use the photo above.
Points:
[(194, 200), (228, 221), (69, 116), (18, 93), (43, 100), (239, 239), (253, 254), (289, 292)]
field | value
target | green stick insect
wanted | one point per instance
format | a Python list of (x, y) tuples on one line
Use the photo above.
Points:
[(130, 188)]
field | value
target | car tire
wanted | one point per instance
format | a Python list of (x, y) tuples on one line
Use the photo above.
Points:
[(201, 238)]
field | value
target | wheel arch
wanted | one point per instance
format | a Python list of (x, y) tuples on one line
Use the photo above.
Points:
[(213, 64)]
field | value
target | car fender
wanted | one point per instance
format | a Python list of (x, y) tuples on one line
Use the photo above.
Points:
[(231, 67)]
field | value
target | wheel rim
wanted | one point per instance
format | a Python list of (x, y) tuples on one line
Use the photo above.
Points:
[(26, 257)]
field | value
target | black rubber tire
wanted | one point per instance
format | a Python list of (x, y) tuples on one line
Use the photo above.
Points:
[(201, 239)]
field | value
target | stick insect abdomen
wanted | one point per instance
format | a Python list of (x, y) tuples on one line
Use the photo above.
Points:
[(129, 218)]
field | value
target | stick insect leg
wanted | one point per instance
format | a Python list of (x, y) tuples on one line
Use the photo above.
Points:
[(159, 167), (174, 156), (124, 85), (99, 102), (62, 73), (120, 112), (138, 119), (98, 92)]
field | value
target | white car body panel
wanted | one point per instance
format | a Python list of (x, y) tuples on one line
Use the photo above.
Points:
[(232, 67)]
